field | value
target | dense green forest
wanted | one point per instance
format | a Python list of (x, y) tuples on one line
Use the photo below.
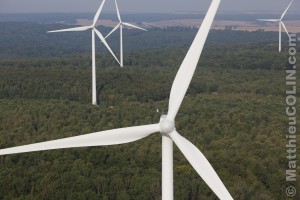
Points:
[(30, 40), (234, 112)]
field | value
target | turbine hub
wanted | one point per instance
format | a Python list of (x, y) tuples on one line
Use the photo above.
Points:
[(166, 125)]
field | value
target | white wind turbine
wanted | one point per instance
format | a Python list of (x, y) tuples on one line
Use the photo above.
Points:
[(94, 30), (280, 24), (120, 25), (166, 126)]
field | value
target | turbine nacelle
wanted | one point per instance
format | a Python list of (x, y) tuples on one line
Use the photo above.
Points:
[(167, 126), (92, 27), (120, 25), (281, 24)]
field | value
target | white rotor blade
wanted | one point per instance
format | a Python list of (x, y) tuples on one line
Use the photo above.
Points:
[(269, 20), (201, 165), (113, 30), (285, 29), (189, 64), (133, 26), (98, 13), (110, 137), (118, 12), (286, 10), (105, 43), (83, 28)]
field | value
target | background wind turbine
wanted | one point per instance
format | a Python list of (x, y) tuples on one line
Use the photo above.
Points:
[(120, 25), (280, 24), (94, 30), (166, 126)]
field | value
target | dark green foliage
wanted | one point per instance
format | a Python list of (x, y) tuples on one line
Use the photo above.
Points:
[(233, 112), (30, 40), (160, 47), (236, 126)]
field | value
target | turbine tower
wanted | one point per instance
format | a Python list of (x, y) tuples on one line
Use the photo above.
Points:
[(166, 126), (94, 30), (120, 25), (280, 24)]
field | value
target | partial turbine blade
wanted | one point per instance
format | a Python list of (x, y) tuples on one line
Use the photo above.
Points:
[(201, 165), (105, 43), (133, 26), (118, 12), (83, 28), (286, 10), (110, 137), (113, 30), (269, 20), (189, 64), (98, 13), (285, 29)]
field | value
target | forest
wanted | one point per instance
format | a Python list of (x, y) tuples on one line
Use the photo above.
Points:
[(234, 112)]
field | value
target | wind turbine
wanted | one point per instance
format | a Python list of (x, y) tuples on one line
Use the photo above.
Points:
[(280, 24), (166, 126), (120, 25), (94, 30)]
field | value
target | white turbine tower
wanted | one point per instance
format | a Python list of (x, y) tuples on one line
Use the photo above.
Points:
[(120, 25), (166, 126), (94, 30), (280, 24)]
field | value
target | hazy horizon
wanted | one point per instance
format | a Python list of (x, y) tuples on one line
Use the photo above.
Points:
[(139, 6)]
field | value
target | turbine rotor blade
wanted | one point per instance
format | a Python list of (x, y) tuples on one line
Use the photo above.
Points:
[(269, 20), (201, 165), (105, 43), (113, 30), (118, 12), (189, 64), (133, 26), (98, 13), (286, 10), (285, 29), (83, 28), (110, 137)]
